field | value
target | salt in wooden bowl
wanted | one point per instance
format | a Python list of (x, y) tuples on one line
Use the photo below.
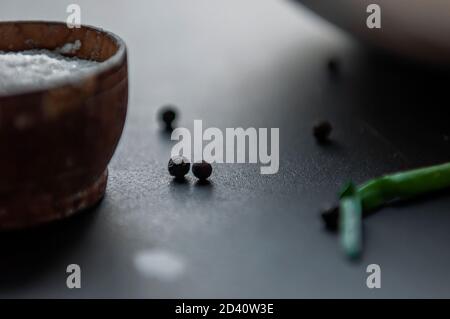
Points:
[(57, 140)]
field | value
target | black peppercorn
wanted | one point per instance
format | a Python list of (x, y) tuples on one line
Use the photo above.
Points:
[(202, 170), (330, 217), (179, 166), (322, 131), (168, 115), (333, 66)]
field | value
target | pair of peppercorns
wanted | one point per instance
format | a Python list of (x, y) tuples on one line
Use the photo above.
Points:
[(179, 166)]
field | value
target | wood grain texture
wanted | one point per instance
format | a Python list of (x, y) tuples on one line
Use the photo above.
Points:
[(56, 142)]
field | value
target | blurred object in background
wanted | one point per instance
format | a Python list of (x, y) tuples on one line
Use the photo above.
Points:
[(418, 29)]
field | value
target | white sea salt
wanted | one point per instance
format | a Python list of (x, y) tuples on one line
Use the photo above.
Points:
[(71, 48), (35, 69)]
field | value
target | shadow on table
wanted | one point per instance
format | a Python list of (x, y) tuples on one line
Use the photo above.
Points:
[(27, 255), (407, 103)]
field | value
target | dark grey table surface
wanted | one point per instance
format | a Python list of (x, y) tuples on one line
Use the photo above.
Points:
[(259, 63)]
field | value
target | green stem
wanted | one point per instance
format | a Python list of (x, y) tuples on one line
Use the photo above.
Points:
[(350, 222), (404, 185), (378, 192)]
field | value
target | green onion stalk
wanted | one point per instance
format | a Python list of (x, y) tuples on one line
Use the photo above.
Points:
[(355, 202)]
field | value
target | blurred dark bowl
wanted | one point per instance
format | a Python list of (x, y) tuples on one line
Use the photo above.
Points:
[(413, 28)]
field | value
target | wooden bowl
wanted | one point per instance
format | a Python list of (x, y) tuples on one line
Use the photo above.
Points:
[(57, 141)]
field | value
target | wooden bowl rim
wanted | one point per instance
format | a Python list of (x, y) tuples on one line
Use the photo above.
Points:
[(116, 60)]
